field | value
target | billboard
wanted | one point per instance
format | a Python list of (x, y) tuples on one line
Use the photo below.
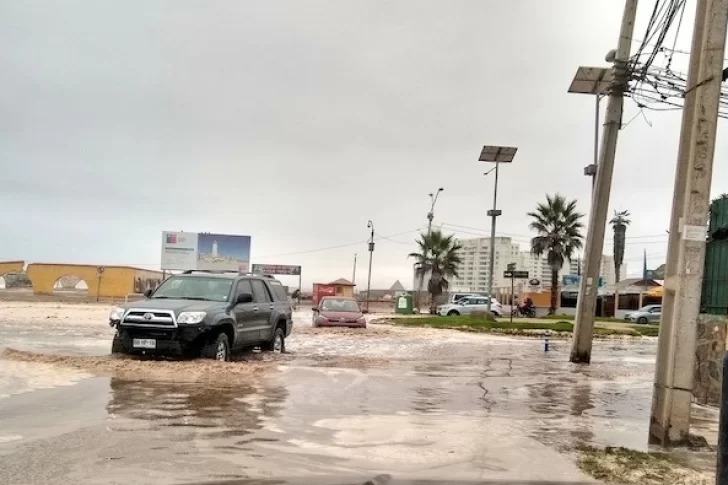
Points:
[(574, 279), (277, 269), (205, 251)]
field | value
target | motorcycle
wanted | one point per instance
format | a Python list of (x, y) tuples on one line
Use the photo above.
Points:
[(524, 311)]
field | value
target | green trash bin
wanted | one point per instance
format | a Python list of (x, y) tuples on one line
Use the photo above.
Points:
[(404, 305)]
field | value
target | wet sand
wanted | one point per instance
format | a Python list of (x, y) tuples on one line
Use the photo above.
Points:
[(421, 403)]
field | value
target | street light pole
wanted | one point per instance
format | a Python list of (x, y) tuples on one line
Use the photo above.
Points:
[(431, 214), (430, 217), (494, 213), (370, 225), (497, 154), (353, 274), (598, 98)]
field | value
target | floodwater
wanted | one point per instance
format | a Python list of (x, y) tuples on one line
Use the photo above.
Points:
[(413, 403)]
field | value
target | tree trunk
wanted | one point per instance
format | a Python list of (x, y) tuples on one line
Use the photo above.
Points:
[(435, 289), (554, 291)]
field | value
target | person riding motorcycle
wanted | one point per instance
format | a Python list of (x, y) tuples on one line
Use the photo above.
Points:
[(527, 309)]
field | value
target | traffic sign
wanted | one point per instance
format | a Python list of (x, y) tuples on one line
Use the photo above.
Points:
[(516, 274), (511, 267)]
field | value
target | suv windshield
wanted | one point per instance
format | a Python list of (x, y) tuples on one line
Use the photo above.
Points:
[(339, 306), (194, 288)]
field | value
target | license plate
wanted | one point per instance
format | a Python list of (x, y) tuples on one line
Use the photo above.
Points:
[(144, 343)]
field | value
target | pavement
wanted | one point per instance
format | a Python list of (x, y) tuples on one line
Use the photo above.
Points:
[(411, 403)]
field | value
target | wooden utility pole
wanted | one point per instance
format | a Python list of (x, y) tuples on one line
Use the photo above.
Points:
[(670, 420), (589, 282)]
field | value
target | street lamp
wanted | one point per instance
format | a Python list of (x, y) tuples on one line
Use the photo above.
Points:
[(370, 225), (596, 81), (430, 217), (497, 154), (431, 214)]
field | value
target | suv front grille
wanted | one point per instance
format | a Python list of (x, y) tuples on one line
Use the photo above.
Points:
[(149, 318)]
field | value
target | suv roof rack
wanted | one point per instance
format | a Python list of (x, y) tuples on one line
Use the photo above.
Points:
[(226, 271), (209, 271), (258, 274)]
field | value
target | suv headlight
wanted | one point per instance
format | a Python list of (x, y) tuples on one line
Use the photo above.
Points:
[(117, 314), (361, 320), (191, 317)]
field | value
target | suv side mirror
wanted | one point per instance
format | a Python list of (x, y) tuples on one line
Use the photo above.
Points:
[(315, 309), (148, 293), (244, 298)]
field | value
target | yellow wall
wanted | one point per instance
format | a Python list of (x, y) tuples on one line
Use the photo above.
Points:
[(116, 281), (11, 267)]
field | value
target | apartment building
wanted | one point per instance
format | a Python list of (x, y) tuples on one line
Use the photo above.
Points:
[(475, 256)]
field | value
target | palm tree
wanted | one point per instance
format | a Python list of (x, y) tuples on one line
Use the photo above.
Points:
[(619, 223), (559, 235), (438, 257)]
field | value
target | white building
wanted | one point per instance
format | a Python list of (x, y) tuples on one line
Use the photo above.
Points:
[(475, 256)]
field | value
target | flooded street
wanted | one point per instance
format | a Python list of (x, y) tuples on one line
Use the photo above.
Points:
[(420, 403)]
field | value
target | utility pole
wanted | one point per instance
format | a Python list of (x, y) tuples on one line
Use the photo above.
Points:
[(672, 394), (589, 282), (370, 225)]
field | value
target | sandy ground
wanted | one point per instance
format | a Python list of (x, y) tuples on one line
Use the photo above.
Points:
[(421, 403)]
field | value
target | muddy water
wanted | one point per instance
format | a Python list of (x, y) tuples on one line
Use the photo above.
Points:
[(410, 402)]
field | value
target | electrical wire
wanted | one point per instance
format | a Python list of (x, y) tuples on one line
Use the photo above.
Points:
[(524, 238), (328, 248)]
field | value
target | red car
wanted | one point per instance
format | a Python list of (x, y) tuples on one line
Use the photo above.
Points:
[(338, 311)]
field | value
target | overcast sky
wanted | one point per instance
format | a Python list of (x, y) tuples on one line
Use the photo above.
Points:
[(295, 122)]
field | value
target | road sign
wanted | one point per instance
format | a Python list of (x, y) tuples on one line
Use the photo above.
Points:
[(511, 267), (516, 274), (277, 269)]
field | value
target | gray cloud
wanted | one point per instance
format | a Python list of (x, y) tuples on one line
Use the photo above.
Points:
[(295, 122)]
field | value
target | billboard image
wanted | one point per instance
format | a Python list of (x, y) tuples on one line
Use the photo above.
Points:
[(277, 269), (179, 250), (205, 251)]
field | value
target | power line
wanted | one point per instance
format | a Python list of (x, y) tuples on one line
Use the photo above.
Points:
[(531, 236), (339, 246)]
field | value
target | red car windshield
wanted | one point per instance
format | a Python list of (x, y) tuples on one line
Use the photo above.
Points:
[(331, 305)]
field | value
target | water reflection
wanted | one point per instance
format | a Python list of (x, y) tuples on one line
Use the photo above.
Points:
[(218, 412)]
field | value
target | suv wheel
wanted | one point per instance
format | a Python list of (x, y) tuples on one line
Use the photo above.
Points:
[(453, 313), (278, 343), (218, 349), (117, 345)]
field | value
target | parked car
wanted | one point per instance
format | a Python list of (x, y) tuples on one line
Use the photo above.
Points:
[(646, 314), (338, 311), (205, 313), (470, 304)]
